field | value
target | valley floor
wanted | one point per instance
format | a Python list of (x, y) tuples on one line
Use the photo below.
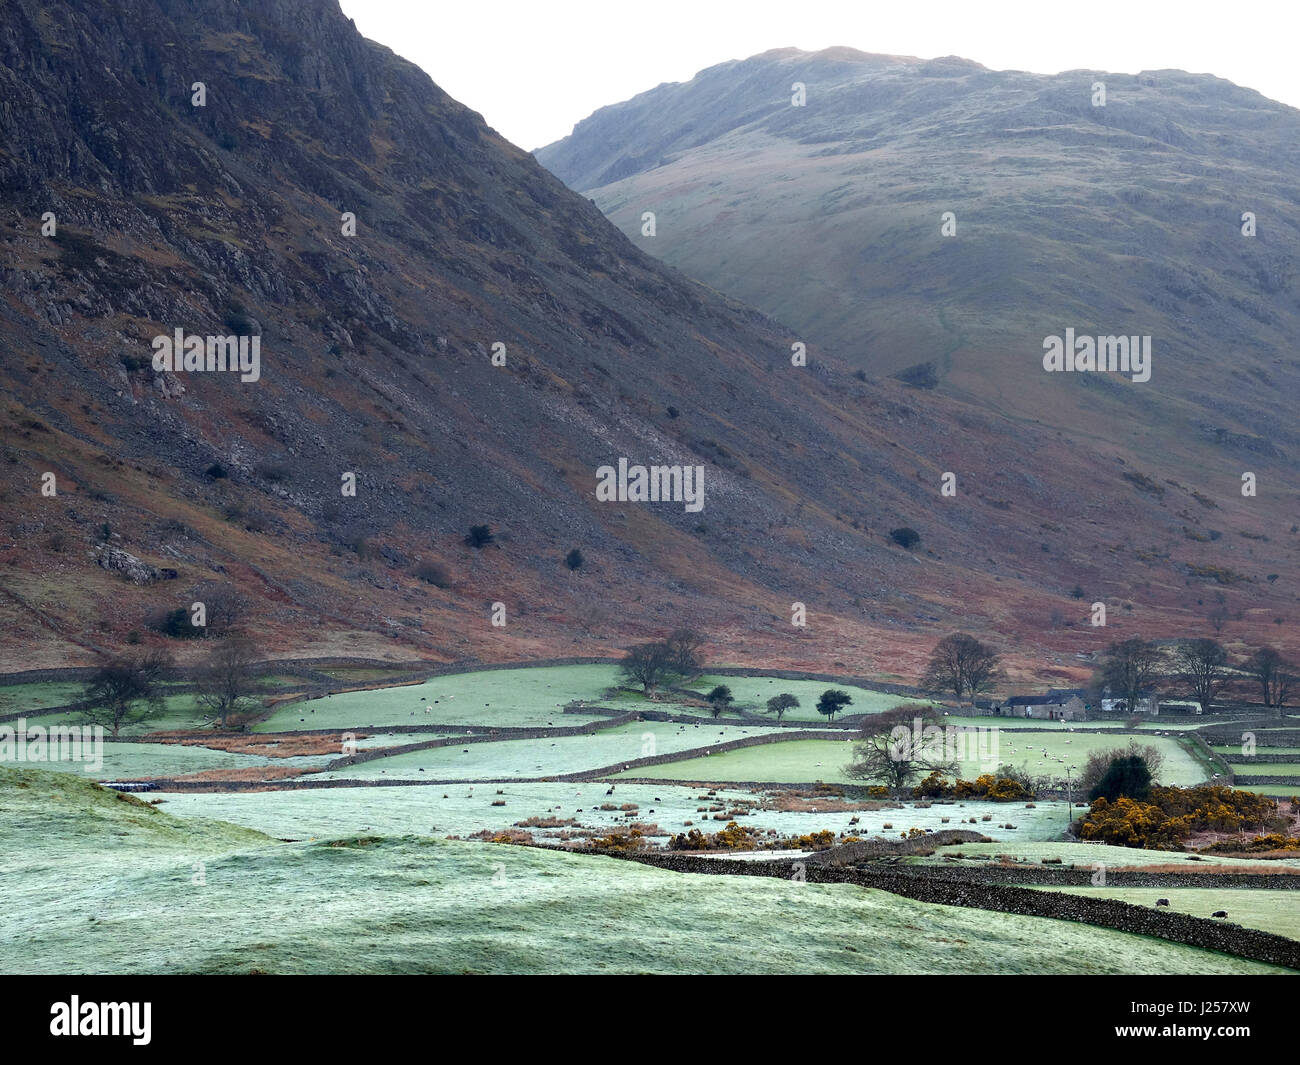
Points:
[(387, 863)]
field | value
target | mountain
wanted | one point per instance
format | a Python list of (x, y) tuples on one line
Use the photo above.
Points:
[(129, 489), (1114, 215)]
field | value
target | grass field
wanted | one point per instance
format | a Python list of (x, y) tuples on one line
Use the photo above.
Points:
[(132, 761), (458, 809), (1236, 752), (179, 712), (498, 697), (753, 693), (1089, 854), (99, 883), (504, 759), (1271, 911), (16, 697), (1283, 790), (1269, 769), (802, 761)]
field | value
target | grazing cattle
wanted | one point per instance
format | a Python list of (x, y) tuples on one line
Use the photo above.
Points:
[(1162, 902), (1219, 913)]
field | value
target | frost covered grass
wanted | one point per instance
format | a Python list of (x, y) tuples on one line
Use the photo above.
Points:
[(99, 883), (505, 758), (495, 697), (807, 761), (1270, 911)]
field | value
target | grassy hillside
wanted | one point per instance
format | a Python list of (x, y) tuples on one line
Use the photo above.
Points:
[(128, 903)]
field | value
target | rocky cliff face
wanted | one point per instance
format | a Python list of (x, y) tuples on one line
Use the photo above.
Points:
[(470, 354)]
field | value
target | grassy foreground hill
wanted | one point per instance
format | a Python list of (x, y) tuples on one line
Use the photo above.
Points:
[(98, 882)]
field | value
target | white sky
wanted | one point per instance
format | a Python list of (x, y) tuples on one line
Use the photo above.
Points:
[(533, 68)]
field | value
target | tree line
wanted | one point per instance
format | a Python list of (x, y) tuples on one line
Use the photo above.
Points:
[(1200, 669), (676, 659), (131, 688)]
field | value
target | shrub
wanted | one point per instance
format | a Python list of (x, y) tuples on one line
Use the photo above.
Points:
[(574, 559), (434, 573), (1127, 776), (905, 537), (176, 624), (733, 837), (275, 472), (216, 472), (479, 536), (1173, 814)]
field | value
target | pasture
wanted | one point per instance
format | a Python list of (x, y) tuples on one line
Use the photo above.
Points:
[(1270, 911), (1046, 753), (155, 893)]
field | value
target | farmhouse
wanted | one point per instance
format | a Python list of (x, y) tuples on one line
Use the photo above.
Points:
[(1059, 704), (1146, 702)]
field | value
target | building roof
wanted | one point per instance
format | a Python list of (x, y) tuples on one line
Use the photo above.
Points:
[(1056, 697)]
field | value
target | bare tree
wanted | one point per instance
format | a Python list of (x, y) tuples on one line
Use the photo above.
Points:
[(889, 749), (649, 665), (1200, 667), (125, 690), (1099, 761), (1274, 675), (225, 607), (1218, 617), (684, 646), (225, 681), (1129, 668), (961, 664)]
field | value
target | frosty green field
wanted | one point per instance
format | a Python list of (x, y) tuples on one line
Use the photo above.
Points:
[(1270, 911), (754, 692), (1089, 854), (806, 761), (556, 756), (462, 809), (16, 697), (1267, 769), (1236, 752), (99, 883), (135, 761), (495, 697)]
